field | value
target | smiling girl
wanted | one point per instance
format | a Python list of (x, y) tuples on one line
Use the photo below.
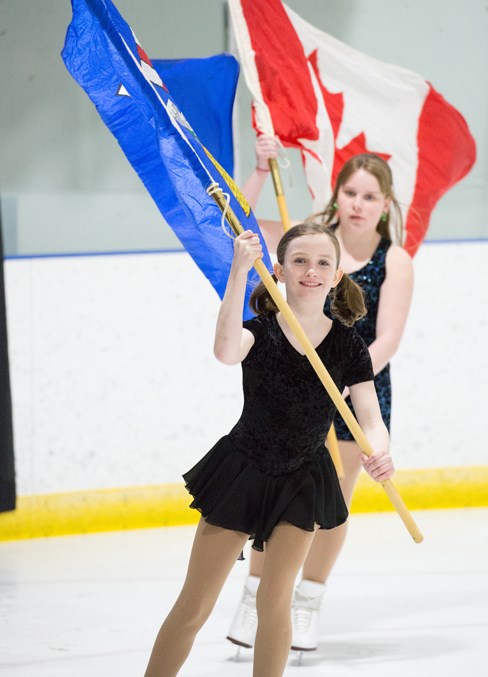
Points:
[(360, 212), (270, 478)]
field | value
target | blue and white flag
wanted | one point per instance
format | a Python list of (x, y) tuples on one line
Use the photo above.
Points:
[(103, 55)]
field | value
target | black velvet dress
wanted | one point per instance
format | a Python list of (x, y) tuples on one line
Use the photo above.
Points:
[(273, 466)]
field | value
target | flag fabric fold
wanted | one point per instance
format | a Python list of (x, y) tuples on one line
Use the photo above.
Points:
[(103, 55), (205, 90), (331, 102)]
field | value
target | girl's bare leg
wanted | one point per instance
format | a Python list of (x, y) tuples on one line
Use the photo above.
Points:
[(328, 543), (285, 553), (214, 553)]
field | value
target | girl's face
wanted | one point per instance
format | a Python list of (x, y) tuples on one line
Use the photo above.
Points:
[(361, 202), (309, 269)]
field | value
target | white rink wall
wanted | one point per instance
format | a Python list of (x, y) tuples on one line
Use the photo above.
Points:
[(114, 382)]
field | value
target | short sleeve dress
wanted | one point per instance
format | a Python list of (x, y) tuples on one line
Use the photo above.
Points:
[(370, 278), (272, 466)]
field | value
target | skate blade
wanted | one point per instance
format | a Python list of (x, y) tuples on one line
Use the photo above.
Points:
[(238, 643), (298, 655)]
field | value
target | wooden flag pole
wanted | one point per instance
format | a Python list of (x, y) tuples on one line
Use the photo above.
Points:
[(280, 193), (335, 452), (318, 366), (332, 444)]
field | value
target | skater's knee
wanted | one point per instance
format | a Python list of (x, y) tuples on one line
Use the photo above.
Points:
[(273, 598), (192, 613)]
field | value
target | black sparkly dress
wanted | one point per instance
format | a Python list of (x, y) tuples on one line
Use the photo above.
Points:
[(273, 466), (370, 277)]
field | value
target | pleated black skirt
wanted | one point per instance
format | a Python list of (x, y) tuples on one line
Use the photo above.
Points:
[(231, 491)]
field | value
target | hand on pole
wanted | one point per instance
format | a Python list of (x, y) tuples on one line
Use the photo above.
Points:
[(379, 465), (247, 249), (266, 149), (267, 161)]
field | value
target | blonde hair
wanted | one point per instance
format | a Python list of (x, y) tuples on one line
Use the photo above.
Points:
[(390, 229), (347, 297)]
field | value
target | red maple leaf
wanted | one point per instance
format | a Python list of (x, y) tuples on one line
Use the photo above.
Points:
[(354, 147), (334, 104)]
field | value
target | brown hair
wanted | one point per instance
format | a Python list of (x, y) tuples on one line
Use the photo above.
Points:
[(391, 229), (347, 297)]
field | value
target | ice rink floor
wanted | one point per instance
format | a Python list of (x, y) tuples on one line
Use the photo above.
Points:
[(91, 605)]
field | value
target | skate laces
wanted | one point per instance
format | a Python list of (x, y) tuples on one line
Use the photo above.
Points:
[(302, 618), (248, 616), (304, 610)]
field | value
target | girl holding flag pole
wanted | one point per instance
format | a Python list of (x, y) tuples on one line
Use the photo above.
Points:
[(270, 478), (359, 212)]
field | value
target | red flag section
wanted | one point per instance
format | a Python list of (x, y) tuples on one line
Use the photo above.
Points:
[(282, 64), (333, 102), (446, 153)]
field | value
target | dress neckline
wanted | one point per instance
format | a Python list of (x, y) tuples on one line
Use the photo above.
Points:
[(295, 350), (380, 243)]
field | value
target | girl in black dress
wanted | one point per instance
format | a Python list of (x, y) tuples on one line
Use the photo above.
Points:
[(269, 479), (360, 212)]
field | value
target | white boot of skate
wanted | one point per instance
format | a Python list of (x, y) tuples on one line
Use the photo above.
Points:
[(305, 615), (243, 628)]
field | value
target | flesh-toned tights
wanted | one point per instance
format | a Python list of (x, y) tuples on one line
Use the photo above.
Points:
[(327, 543), (213, 555)]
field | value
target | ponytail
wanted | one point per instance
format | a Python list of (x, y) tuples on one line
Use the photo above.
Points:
[(261, 301), (347, 302)]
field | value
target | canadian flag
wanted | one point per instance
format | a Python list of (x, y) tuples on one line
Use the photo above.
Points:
[(331, 102)]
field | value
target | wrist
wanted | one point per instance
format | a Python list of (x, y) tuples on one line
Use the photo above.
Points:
[(264, 171), (238, 271)]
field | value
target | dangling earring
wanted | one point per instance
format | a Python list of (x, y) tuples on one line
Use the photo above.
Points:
[(383, 218), (335, 206)]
